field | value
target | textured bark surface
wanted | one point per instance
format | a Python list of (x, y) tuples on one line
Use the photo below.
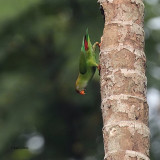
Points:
[(123, 81)]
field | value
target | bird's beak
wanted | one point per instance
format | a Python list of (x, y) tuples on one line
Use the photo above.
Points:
[(82, 92)]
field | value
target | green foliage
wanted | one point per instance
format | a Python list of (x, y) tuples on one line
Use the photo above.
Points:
[(40, 45), (39, 49)]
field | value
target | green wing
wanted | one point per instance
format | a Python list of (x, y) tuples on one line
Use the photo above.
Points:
[(82, 63), (82, 60)]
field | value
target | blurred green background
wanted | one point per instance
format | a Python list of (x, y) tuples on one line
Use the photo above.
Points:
[(41, 115)]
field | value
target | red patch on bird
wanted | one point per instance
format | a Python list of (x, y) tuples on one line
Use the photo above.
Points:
[(85, 44)]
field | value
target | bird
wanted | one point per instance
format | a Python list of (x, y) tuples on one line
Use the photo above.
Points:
[(87, 64)]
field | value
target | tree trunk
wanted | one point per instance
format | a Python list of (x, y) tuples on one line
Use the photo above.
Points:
[(123, 81)]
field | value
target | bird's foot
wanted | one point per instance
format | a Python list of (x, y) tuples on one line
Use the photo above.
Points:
[(99, 45), (96, 44), (99, 68)]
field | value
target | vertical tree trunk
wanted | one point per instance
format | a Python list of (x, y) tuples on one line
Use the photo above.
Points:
[(123, 81)]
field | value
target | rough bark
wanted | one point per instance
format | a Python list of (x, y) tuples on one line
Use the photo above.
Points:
[(123, 81)]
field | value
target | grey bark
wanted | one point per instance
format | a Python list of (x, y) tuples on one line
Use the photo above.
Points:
[(123, 81)]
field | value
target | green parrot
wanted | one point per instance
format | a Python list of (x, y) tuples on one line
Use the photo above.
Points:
[(87, 64)]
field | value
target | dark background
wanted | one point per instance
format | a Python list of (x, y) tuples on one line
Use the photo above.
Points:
[(41, 115)]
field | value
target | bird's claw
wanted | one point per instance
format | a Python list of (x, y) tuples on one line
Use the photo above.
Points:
[(96, 44), (99, 45), (99, 68)]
